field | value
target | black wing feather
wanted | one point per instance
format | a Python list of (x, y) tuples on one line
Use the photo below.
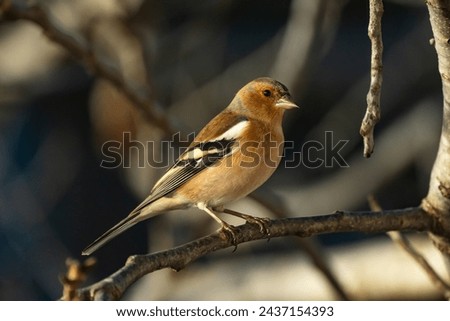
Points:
[(186, 168)]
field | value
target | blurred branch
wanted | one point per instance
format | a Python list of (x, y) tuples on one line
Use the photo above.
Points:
[(301, 33), (114, 286), (81, 50), (317, 255), (398, 238), (310, 29), (404, 243), (308, 245), (372, 115), (76, 274)]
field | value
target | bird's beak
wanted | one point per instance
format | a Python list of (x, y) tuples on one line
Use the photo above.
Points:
[(285, 103)]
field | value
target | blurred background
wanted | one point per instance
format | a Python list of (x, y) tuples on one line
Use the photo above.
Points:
[(190, 57)]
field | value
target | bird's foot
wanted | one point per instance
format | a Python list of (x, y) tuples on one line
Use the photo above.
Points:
[(228, 231), (262, 222)]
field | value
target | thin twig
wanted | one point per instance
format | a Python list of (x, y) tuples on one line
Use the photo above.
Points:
[(373, 111), (114, 286), (398, 238), (80, 49)]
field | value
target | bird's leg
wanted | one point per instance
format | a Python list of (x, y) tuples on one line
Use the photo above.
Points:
[(227, 228), (262, 222)]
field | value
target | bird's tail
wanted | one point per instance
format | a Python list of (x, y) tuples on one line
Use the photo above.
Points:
[(117, 229)]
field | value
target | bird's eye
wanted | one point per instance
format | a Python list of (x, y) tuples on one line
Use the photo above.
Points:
[(267, 93)]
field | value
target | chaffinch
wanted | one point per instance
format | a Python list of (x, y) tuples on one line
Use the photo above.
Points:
[(236, 152)]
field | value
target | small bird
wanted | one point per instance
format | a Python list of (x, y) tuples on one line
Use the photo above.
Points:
[(235, 153)]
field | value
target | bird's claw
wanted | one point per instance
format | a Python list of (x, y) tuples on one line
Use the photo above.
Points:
[(262, 222), (228, 231)]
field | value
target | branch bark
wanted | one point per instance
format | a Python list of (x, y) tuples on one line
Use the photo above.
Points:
[(437, 201), (373, 111), (114, 286)]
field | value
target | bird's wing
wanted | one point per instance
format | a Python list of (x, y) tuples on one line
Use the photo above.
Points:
[(199, 155)]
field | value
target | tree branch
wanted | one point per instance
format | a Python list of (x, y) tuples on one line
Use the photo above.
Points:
[(114, 286), (82, 51), (373, 111), (437, 201)]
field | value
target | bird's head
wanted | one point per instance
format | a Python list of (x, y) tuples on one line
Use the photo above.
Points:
[(265, 97)]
